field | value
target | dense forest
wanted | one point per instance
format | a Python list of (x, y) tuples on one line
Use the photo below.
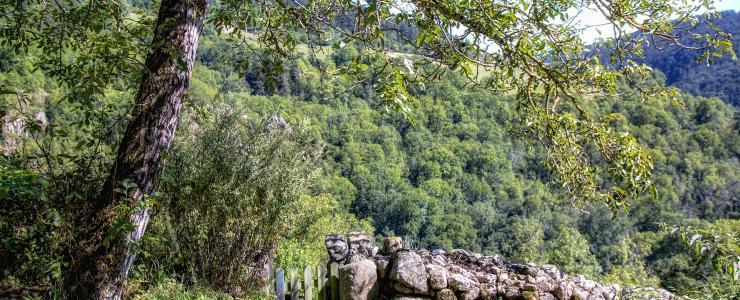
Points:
[(718, 79), (269, 156)]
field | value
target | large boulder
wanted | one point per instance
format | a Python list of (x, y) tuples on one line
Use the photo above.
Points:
[(358, 281), (407, 268)]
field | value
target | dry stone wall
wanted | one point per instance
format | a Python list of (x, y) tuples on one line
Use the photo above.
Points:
[(395, 272)]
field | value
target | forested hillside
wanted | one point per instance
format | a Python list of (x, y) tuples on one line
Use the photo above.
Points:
[(269, 156), (456, 178), (718, 79)]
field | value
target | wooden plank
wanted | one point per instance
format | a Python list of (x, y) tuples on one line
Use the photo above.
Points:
[(307, 283), (321, 281), (334, 281), (295, 284), (280, 284)]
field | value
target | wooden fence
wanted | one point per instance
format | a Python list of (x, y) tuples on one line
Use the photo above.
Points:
[(316, 285)]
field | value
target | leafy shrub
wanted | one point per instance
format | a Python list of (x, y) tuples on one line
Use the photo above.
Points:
[(231, 190), (714, 244), (27, 227)]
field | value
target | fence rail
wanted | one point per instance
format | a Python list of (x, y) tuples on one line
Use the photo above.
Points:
[(315, 284)]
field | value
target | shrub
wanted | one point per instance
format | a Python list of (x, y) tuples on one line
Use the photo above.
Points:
[(232, 189)]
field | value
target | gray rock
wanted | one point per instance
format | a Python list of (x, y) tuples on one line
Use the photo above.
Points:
[(552, 271), (495, 270), (545, 284), (358, 280), (598, 296), (524, 269), (485, 277), (463, 255), (407, 268), (437, 277), (439, 260), (511, 292), (471, 294), (563, 291), (546, 296), (438, 252), (579, 294), (588, 284), (530, 279), (354, 256), (460, 282)]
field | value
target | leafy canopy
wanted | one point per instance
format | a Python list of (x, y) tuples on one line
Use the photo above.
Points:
[(531, 49)]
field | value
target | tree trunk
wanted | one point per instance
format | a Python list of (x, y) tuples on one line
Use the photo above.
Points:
[(102, 268)]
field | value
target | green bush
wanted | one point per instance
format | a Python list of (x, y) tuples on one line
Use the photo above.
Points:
[(33, 231), (231, 191)]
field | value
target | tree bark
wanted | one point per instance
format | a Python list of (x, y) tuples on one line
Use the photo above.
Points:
[(101, 271)]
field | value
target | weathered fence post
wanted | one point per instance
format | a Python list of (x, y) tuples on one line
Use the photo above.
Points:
[(321, 277), (334, 281), (280, 284), (315, 285), (295, 284), (307, 283)]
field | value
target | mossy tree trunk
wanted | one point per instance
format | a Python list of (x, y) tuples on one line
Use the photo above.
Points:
[(110, 245)]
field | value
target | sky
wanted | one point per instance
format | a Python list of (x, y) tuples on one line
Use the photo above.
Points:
[(596, 21)]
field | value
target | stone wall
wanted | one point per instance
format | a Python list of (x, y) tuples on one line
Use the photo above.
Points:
[(395, 272)]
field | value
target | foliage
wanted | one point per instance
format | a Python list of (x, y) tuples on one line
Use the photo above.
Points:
[(233, 188), (318, 216), (532, 50), (445, 172), (169, 289), (30, 232), (683, 70), (569, 250), (632, 254), (716, 245), (454, 178)]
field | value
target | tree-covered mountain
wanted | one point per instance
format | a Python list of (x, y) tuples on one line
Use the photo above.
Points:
[(271, 154), (719, 79), (457, 178)]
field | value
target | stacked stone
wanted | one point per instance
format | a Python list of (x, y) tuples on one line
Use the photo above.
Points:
[(399, 273)]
